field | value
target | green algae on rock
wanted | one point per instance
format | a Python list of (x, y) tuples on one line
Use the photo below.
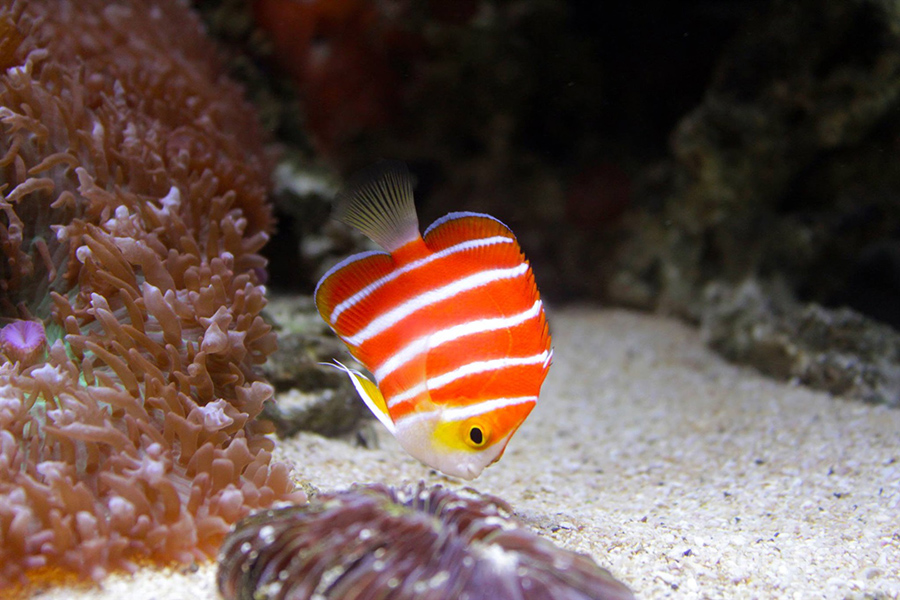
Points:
[(411, 543)]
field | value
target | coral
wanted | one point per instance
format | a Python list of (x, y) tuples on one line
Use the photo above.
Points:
[(23, 341), (339, 55), (411, 543), (133, 208)]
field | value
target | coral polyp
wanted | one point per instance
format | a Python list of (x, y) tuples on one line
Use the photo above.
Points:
[(410, 543), (23, 341)]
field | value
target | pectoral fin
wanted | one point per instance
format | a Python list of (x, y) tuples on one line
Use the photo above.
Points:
[(370, 394)]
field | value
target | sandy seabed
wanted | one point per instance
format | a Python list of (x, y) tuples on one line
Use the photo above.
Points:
[(683, 475)]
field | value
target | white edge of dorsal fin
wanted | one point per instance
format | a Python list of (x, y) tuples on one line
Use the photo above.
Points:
[(379, 202), (359, 382)]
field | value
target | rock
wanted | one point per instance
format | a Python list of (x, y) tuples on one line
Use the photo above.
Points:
[(837, 350), (311, 396)]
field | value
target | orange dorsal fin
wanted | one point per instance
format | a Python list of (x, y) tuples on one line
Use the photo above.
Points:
[(379, 203), (459, 227), (475, 238)]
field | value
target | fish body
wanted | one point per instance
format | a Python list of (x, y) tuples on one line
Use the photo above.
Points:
[(449, 322)]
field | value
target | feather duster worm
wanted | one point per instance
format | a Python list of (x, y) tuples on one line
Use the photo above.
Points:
[(132, 210), (415, 543)]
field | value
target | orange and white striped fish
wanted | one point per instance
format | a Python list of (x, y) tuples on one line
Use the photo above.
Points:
[(450, 324)]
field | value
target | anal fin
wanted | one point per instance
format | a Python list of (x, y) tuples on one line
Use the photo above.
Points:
[(370, 395)]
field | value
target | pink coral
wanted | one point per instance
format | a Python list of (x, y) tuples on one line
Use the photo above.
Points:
[(132, 209), (23, 341)]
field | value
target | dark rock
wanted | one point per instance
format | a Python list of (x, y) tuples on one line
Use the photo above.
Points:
[(785, 170), (311, 396), (840, 351)]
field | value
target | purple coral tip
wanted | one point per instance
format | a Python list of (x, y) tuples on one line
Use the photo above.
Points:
[(23, 341), (413, 543)]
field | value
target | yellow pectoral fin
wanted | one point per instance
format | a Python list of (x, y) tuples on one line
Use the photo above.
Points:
[(370, 394)]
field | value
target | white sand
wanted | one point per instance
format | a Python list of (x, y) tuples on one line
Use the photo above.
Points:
[(685, 476)]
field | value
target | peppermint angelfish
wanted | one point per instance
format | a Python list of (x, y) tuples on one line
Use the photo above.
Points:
[(450, 324)]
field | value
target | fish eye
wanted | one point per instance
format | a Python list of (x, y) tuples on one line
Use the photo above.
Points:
[(476, 436)]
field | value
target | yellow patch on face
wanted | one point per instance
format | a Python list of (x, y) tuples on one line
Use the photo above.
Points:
[(472, 435)]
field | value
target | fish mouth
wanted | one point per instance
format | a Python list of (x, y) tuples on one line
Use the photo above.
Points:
[(466, 471), (471, 472)]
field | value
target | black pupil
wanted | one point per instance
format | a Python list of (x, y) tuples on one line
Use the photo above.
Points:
[(476, 435)]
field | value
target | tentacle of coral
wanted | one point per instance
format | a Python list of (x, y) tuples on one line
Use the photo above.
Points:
[(410, 543), (132, 209)]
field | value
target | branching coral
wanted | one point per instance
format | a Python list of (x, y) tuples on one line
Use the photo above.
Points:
[(132, 210)]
